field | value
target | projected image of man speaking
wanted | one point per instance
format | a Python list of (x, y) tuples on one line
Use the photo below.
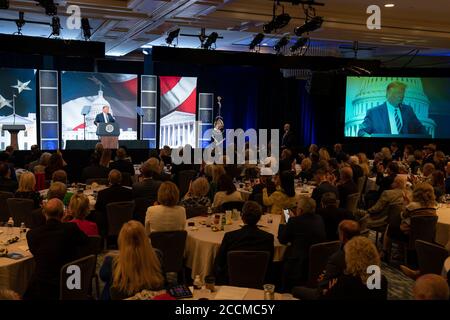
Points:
[(392, 117)]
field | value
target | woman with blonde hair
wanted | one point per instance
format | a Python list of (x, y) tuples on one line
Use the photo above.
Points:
[(197, 194), (136, 267), (324, 154), (26, 190), (364, 163), (78, 210), (167, 215), (362, 262)]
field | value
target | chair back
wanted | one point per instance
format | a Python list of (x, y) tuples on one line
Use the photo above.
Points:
[(21, 210), (394, 214), (171, 244), (431, 257), (352, 202), (40, 181), (361, 183), (140, 208), (100, 181), (247, 268), (319, 254), (230, 205), (4, 210), (184, 177), (72, 289), (118, 213), (195, 211), (422, 228)]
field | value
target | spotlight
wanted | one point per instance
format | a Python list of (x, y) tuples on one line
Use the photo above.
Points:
[(20, 22), (256, 40), (299, 44), (4, 4), (212, 38), (56, 26), (86, 27), (281, 44), (49, 6), (310, 26), (278, 22), (172, 36), (145, 52)]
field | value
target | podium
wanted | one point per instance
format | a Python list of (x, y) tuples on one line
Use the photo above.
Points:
[(13, 130), (109, 134)]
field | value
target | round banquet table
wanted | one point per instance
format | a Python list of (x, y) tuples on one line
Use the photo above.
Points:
[(15, 274), (443, 226), (87, 192), (202, 244), (299, 191)]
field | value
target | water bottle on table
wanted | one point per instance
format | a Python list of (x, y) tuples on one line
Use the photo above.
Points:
[(10, 225)]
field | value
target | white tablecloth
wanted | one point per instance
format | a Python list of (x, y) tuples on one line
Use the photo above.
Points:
[(15, 274), (202, 244), (443, 227), (88, 192)]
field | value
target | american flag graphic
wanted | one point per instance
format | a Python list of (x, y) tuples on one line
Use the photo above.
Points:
[(178, 110)]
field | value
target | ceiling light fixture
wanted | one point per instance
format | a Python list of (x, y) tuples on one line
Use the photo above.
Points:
[(49, 6), (311, 25), (56, 27), (256, 41), (300, 43), (281, 44), (389, 5), (172, 36)]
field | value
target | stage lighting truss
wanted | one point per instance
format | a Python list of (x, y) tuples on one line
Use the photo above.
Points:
[(283, 42), (278, 21), (171, 36), (20, 23), (55, 25), (255, 45), (312, 23)]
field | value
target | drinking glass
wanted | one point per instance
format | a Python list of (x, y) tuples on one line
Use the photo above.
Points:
[(269, 292)]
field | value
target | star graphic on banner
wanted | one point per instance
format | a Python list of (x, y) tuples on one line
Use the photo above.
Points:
[(22, 86), (4, 102)]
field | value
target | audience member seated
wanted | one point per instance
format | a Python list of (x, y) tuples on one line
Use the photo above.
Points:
[(115, 193), (148, 186), (385, 182), (284, 196), (438, 184), (197, 194), (335, 266), (285, 161), (56, 162), (165, 155), (6, 183), (33, 159), (77, 212), (306, 173), (303, 229), (364, 163), (217, 170), (346, 186), (167, 215), (339, 154), (43, 163), (360, 253), (395, 152), (323, 186), (57, 190), (249, 237), (447, 179), (94, 170), (356, 168), (427, 171), (439, 160), (27, 184), (332, 215), (226, 192), (122, 164), (52, 245), (136, 267), (105, 159), (431, 287), (380, 211), (61, 176)]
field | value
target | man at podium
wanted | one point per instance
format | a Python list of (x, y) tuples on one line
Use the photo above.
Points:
[(104, 117)]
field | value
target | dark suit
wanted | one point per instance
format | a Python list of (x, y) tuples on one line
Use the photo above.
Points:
[(377, 121), (249, 238), (357, 172), (302, 232), (148, 188), (8, 185), (95, 171), (345, 190), (288, 140), (52, 245), (385, 183), (99, 118), (332, 216), (122, 166), (323, 188), (115, 193)]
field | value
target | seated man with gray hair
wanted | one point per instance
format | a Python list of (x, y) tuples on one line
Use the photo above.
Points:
[(303, 229), (52, 245), (431, 287)]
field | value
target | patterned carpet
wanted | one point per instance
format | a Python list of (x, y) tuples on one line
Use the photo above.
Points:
[(399, 285)]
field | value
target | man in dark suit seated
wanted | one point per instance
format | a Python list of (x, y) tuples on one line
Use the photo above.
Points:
[(104, 117), (148, 187), (52, 245), (249, 237), (95, 170), (346, 186), (392, 117), (122, 163), (6, 183), (303, 229), (332, 215), (323, 186), (115, 193), (335, 266)]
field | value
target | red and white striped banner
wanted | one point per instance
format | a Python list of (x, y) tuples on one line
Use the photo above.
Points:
[(178, 94)]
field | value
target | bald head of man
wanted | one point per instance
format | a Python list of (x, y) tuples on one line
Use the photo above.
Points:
[(346, 174), (431, 287), (115, 177), (348, 229), (54, 209)]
